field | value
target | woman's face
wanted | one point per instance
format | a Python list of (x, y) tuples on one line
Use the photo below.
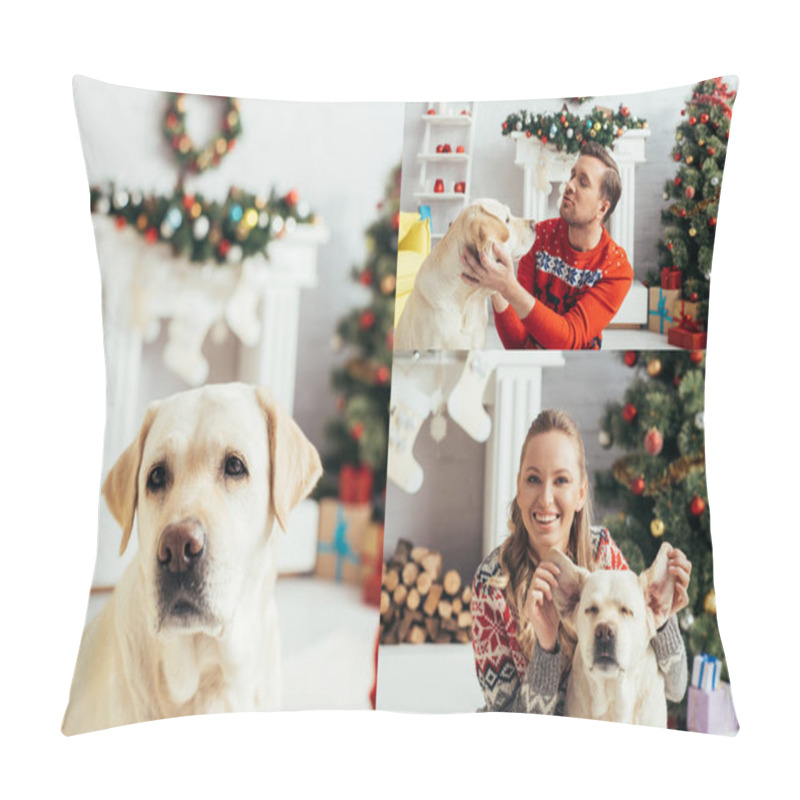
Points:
[(550, 489)]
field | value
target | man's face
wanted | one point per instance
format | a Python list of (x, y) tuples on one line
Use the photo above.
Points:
[(583, 202)]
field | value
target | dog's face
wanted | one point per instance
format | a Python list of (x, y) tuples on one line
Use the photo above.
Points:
[(612, 613), (487, 221), (210, 472)]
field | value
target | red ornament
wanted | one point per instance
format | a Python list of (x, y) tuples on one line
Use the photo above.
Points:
[(711, 151), (505, 126), (544, 140), (224, 247), (692, 120), (696, 356), (653, 441), (625, 111), (712, 222), (670, 246), (637, 487), (690, 192), (704, 118), (697, 506), (366, 320), (630, 358), (677, 156), (693, 297), (188, 201), (357, 431), (151, 236), (396, 221), (528, 134), (120, 223), (291, 198), (629, 412), (678, 180), (682, 213), (365, 278), (383, 374)]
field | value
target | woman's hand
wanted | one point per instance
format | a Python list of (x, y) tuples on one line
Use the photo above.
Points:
[(680, 568), (539, 607), (493, 271)]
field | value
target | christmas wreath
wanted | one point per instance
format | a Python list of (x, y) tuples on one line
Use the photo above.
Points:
[(187, 153)]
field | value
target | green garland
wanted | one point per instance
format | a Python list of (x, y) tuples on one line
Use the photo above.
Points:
[(568, 131), (189, 156), (204, 230)]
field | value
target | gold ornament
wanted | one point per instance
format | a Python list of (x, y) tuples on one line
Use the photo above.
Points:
[(657, 528), (710, 603), (654, 367), (692, 232), (689, 159), (388, 284)]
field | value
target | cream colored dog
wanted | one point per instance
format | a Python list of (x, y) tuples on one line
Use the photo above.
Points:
[(614, 615), (191, 627), (442, 312)]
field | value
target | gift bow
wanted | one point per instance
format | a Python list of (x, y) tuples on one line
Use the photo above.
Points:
[(340, 547), (661, 311)]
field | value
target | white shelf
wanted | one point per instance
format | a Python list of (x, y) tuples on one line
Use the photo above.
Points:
[(443, 157), (448, 119), (440, 196)]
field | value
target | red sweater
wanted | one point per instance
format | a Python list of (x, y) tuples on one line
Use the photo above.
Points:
[(577, 293)]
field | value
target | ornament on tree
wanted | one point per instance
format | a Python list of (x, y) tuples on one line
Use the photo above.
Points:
[(657, 528), (686, 621), (638, 486), (710, 603), (604, 437), (699, 421), (629, 412), (465, 404), (631, 357), (697, 506), (654, 367), (653, 441)]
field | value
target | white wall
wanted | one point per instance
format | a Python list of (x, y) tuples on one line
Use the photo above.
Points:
[(337, 156), (495, 175)]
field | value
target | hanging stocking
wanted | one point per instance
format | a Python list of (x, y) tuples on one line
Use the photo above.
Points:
[(465, 404), (410, 407)]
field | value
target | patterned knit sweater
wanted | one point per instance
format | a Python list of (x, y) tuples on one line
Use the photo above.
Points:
[(510, 682), (577, 293)]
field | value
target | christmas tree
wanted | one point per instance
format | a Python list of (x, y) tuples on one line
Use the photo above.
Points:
[(701, 143), (358, 436), (659, 485)]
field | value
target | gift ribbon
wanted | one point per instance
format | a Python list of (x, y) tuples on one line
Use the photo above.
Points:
[(340, 547), (689, 325), (661, 311), (704, 672)]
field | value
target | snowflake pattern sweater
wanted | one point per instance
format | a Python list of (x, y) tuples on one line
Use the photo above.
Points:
[(510, 682), (577, 293)]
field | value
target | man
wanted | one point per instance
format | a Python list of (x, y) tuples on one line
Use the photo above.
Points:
[(574, 279)]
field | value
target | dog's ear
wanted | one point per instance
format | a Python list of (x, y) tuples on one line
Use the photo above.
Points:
[(120, 487), (569, 585), (295, 466), (484, 228), (658, 587)]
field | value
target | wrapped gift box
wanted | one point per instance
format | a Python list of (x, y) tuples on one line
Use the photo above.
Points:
[(686, 338), (711, 711), (670, 278), (684, 311), (342, 528), (355, 484), (372, 564), (660, 317)]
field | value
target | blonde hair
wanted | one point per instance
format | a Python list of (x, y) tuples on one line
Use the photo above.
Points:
[(518, 560)]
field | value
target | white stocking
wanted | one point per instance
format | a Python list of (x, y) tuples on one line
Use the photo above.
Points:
[(409, 409), (465, 404)]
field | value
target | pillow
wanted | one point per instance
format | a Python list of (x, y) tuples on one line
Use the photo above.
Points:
[(226, 230)]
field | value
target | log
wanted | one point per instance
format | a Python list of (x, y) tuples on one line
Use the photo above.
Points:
[(445, 609), (418, 553), (413, 599), (391, 579), (402, 552), (416, 635), (458, 606), (432, 627), (410, 572), (424, 583), (466, 596), (432, 563), (462, 636), (432, 600), (444, 638), (464, 620), (452, 582), (399, 595), (404, 627), (386, 602)]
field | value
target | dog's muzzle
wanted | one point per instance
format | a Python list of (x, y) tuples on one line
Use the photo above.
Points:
[(605, 646), (181, 567)]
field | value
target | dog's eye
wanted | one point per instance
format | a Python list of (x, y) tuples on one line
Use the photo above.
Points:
[(592, 610), (626, 612), (157, 479), (234, 466)]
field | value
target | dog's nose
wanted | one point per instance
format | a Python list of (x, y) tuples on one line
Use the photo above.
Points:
[(181, 545), (604, 633)]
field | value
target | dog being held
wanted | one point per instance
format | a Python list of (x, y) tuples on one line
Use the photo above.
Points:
[(191, 626), (614, 614), (442, 311)]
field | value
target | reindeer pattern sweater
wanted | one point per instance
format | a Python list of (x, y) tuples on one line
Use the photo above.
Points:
[(512, 683), (577, 293)]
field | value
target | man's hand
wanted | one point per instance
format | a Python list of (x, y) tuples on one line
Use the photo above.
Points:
[(493, 271)]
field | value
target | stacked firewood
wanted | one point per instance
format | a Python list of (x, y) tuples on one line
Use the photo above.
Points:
[(420, 602)]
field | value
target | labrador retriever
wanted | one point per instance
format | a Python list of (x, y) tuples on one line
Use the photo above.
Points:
[(191, 626), (614, 615), (442, 312)]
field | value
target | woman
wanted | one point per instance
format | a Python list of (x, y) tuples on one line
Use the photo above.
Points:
[(522, 654)]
